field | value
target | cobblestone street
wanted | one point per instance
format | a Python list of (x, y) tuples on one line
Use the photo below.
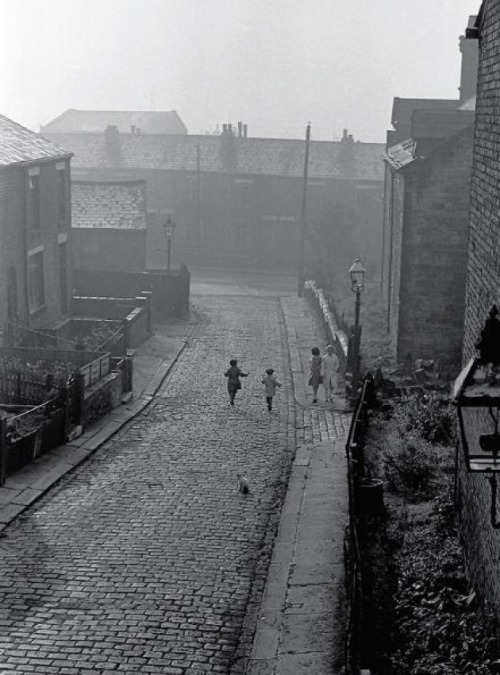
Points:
[(146, 557)]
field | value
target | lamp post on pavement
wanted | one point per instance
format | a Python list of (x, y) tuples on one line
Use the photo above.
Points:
[(357, 276), (169, 228)]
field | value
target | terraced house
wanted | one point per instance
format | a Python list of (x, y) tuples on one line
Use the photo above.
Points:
[(35, 230), (236, 199)]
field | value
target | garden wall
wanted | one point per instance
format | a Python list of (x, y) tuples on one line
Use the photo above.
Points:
[(169, 290)]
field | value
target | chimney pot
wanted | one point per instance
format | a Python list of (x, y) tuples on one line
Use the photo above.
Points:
[(240, 129), (245, 130)]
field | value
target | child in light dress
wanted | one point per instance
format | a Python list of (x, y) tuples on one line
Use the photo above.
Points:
[(271, 384), (330, 372)]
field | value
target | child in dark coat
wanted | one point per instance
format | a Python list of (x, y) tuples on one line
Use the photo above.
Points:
[(233, 375)]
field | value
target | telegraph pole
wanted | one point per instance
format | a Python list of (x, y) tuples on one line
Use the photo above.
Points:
[(303, 216), (198, 203)]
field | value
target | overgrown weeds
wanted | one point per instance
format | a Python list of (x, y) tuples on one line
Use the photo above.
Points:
[(435, 627)]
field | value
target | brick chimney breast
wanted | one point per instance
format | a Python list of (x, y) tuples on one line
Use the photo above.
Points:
[(228, 148), (470, 59)]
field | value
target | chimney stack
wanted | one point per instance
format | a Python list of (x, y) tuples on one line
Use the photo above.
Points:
[(470, 60), (245, 130), (240, 129)]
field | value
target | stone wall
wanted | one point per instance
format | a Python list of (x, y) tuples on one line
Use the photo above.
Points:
[(482, 542)]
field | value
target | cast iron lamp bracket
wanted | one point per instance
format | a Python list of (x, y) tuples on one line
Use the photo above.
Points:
[(476, 394)]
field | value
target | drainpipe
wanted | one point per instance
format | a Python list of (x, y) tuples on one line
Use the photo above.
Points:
[(391, 235), (25, 247)]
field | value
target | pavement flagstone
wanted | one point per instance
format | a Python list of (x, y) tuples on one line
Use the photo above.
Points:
[(300, 627)]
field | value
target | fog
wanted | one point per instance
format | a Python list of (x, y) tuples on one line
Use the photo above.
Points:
[(275, 65)]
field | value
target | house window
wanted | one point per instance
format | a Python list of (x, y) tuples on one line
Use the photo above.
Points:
[(36, 293), (61, 196), (34, 197)]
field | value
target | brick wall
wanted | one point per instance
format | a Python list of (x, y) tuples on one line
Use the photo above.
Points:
[(393, 232), (109, 249), (434, 252), (482, 542)]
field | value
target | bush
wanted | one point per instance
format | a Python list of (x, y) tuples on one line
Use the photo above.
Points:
[(433, 417), (409, 470)]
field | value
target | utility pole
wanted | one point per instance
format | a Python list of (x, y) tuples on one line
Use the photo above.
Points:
[(198, 203), (303, 216)]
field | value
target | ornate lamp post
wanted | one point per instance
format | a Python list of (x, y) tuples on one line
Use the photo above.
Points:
[(357, 276), (169, 228)]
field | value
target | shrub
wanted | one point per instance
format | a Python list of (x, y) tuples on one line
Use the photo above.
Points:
[(433, 417), (409, 469)]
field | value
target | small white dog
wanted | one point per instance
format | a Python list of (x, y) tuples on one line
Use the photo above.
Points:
[(243, 484)]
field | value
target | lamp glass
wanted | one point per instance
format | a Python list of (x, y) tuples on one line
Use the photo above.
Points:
[(480, 439), (357, 274), (169, 228)]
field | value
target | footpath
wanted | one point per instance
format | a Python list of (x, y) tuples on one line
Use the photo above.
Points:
[(300, 623), (300, 627)]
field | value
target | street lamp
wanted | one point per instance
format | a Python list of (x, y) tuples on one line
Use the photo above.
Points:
[(169, 228), (357, 276), (476, 394)]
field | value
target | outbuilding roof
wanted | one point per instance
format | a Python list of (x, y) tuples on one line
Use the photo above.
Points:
[(118, 205), (20, 145)]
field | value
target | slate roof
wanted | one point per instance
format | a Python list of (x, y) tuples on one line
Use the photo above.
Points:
[(19, 145), (250, 156), (120, 205), (95, 121)]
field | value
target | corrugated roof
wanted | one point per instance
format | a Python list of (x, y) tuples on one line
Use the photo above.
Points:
[(127, 121), (277, 157), (19, 145), (401, 154), (120, 205)]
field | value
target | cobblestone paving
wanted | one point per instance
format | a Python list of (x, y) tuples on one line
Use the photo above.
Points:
[(142, 560)]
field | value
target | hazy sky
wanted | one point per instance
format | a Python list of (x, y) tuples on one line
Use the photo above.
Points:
[(273, 64)]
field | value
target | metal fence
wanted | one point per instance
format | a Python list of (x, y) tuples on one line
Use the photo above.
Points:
[(356, 472)]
